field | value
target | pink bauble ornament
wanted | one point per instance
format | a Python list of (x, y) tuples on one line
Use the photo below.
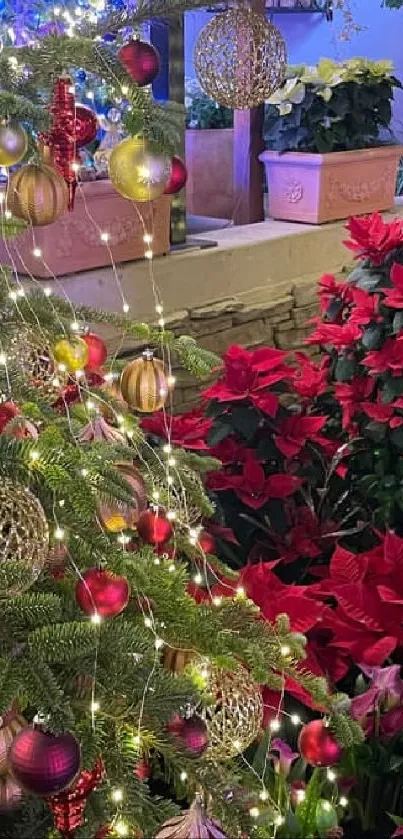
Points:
[(8, 410), (178, 177), (141, 61), (100, 592), (317, 744), (97, 352), (43, 763), (191, 734), (142, 769), (85, 126), (154, 528)]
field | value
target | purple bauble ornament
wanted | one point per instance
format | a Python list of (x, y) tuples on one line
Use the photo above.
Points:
[(191, 734), (44, 763)]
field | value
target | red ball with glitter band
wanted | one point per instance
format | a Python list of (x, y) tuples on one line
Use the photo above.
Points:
[(154, 528), (318, 746), (100, 592), (85, 126), (8, 410), (141, 61), (44, 763), (97, 351), (68, 807), (178, 177)]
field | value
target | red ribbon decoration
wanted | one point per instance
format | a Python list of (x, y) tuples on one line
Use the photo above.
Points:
[(61, 138), (68, 807)]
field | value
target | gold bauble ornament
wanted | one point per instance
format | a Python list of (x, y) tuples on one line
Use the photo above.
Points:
[(72, 353), (136, 172), (24, 537), (144, 384), (13, 144), (235, 716), (10, 793), (10, 724), (119, 515), (240, 58), (37, 194)]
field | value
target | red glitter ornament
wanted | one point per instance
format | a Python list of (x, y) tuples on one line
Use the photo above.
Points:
[(100, 592), (318, 746), (44, 763), (207, 543), (68, 807), (97, 351), (191, 733), (154, 528), (8, 410), (141, 61), (85, 126), (178, 176), (142, 769), (61, 137)]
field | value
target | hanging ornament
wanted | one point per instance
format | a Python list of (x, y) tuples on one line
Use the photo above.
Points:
[(142, 769), (235, 716), (144, 385), (154, 528), (207, 543), (190, 733), (178, 177), (119, 515), (37, 194), (72, 353), (317, 744), (20, 428), (8, 410), (30, 352), (10, 793), (114, 394), (13, 144), (10, 724), (103, 593), (68, 807), (175, 660), (23, 536), (98, 430), (325, 817), (136, 172), (192, 824), (61, 137), (85, 126), (141, 61), (44, 763), (97, 351), (56, 561), (240, 58)]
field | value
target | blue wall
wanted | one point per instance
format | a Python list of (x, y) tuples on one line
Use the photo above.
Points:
[(310, 37)]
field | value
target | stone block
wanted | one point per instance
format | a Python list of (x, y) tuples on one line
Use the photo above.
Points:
[(271, 311), (211, 325), (248, 335), (216, 308), (305, 291), (270, 292), (176, 321), (285, 325), (304, 313), (292, 339)]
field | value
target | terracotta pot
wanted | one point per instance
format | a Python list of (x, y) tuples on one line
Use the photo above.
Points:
[(73, 243), (209, 157), (316, 188)]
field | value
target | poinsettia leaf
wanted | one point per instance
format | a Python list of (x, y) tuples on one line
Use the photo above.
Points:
[(334, 308), (218, 432), (345, 368), (245, 420), (366, 279), (376, 431), (396, 437), (392, 387), (372, 337), (398, 821), (397, 322)]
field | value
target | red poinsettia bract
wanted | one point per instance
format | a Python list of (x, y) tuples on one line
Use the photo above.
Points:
[(189, 431), (248, 375), (252, 486), (374, 239)]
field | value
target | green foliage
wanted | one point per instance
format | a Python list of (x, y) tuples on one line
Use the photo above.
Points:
[(203, 112)]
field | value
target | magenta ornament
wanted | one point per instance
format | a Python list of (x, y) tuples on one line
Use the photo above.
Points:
[(44, 763)]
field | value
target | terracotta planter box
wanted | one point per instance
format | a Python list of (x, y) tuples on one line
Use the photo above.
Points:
[(209, 157), (73, 243), (316, 188)]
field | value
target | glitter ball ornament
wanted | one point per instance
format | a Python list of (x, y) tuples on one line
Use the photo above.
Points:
[(103, 593), (178, 178), (154, 528), (192, 824), (31, 353), (190, 733), (8, 410), (43, 763), (68, 807), (317, 744), (85, 126), (234, 717), (24, 537), (10, 724), (136, 172), (97, 351), (120, 515), (141, 61), (73, 354), (240, 58), (37, 194), (10, 793), (144, 385), (13, 144)]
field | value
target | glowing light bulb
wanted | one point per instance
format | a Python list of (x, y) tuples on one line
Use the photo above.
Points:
[(275, 725), (47, 291), (327, 806), (300, 795), (148, 254), (254, 812), (279, 820), (74, 326), (121, 828), (95, 706), (264, 795), (240, 592), (59, 533), (158, 643), (331, 775), (343, 801), (96, 618), (147, 238), (125, 308), (148, 622), (171, 381), (117, 795), (84, 473), (183, 776), (285, 651), (237, 745), (159, 309), (198, 579), (3, 358), (105, 237), (217, 601), (34, 455), (37, 252)]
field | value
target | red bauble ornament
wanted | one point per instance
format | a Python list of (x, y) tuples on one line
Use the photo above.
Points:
[(61, 137), (141, 61), (191, 733), (97, 352), (142, 769), (318, 746), (68, 807), (85, 126), (154, 528), (8, 410), (178, 177), (43, 763), (100, 592), (207, 542)]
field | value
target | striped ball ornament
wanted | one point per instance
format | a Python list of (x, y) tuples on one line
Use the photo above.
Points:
[(11, 724), (37, 194), (144, 384)]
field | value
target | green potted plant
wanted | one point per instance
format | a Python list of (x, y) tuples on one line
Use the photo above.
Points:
[(331, 152), (209, 155)]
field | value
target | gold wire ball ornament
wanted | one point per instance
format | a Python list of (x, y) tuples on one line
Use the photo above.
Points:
[(136, 172), (31, 353), (235, 716), (240, 58), (144, 385), (24, 537)]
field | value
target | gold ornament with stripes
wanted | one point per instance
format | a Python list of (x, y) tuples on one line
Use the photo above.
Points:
[(37, 194), (144, 384), (11, 724)]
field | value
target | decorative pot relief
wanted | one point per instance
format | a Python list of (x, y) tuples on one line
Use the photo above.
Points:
[(293, 191), (360, 190)]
